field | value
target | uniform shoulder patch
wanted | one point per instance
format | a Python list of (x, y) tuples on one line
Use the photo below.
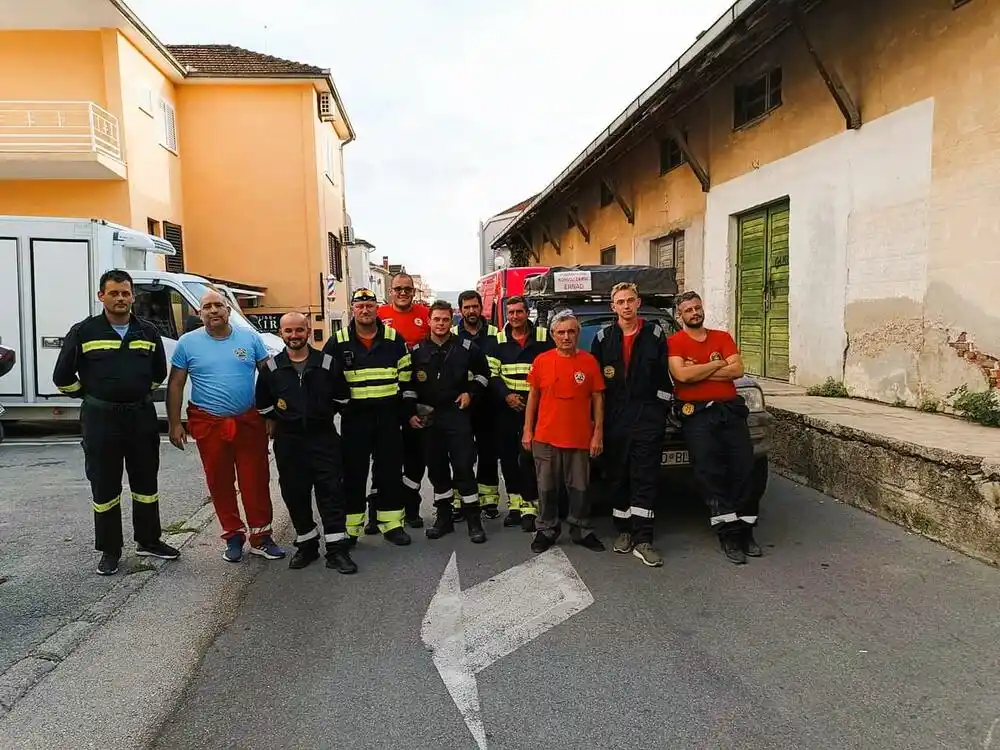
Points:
[(271, 364), (467, 343), (658, 331)]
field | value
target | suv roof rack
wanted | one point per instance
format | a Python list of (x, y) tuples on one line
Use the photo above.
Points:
[(588, 282)]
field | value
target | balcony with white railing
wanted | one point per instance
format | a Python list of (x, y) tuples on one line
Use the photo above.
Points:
[(59, 141)]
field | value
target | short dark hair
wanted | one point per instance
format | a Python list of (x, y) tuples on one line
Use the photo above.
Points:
[(396, 275), (442, 304), (116, 275), (517, 299), (687, 297), (470, 294)]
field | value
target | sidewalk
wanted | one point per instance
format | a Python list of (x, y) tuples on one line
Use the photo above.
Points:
[(934, 474)]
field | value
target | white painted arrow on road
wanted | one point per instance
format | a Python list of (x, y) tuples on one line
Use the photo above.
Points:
[(469, 630)]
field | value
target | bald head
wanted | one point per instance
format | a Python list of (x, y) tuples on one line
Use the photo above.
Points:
[(214, 313), (293, 319), (294, 329)]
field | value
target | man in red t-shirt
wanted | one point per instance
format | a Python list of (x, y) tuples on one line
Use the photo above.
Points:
[(412, 321), (704, 362), (564, 428)]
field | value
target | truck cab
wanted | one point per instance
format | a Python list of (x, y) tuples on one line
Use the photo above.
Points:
[(50, 269)]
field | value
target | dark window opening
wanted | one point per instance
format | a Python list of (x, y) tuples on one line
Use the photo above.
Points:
[(336, 259), (607, 197), (608, 256), (173, 234), (753, 100), (153, 227), (671, 155)]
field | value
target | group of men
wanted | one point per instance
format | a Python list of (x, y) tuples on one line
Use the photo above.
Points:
[(416, 393)]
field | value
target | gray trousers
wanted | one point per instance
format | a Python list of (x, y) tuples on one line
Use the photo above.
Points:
[(556, 468)]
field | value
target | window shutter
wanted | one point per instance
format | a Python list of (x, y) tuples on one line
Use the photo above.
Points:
[(173, 234)]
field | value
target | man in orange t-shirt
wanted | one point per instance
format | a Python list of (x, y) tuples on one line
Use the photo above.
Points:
[(412, 321), (704, 363), (564, 428)]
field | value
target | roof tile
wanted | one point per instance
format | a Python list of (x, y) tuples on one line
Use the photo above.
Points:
[(228, 60)]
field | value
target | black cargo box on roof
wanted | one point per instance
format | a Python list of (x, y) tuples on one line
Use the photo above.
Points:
[(597, 281)]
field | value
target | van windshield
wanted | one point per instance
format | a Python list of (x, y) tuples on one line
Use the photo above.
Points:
[(200, 288)]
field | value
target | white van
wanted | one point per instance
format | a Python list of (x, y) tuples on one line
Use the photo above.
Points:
[(49, 274)]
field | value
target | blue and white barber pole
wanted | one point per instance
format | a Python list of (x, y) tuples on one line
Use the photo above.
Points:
[(331, 287)]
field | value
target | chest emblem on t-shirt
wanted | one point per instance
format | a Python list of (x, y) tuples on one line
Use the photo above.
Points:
[(716, 356), (579, 377), (241, 354), (609, 372), (281, 404), (418, 322), (687, 410), (421, 376)]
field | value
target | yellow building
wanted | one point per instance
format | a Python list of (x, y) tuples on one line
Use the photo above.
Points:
[(824, 173), (232, 155)]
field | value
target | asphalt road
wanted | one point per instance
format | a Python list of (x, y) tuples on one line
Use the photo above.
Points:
[(47, 560), (849, 633)]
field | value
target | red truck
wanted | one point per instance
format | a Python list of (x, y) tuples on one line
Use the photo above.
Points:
[(497, 287)]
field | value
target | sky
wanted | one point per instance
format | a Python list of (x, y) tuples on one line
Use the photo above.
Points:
[(461, 108)]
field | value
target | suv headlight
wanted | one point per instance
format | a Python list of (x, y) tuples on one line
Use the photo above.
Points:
[(754, 397)]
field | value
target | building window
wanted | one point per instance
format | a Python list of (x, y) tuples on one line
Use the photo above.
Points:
[(169, 126), (671, 155), (153, 227), (753, 100), (608, 256), (607, 197), (336, 261), (668, 252), (173, 234)]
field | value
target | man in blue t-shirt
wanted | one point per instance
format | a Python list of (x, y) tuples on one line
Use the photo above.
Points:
[(231, 436)]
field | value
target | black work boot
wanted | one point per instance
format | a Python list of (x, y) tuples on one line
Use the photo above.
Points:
[(513, 519), (476, 532), (306, 553), (413, 519), (528, 523), (750, 546), (458, 514), (491, 511), (732, 545), (339, 558), (371, 527), (397, 536), (444, 523)]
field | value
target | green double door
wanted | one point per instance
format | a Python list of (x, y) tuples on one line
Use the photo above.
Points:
[(762, 291)]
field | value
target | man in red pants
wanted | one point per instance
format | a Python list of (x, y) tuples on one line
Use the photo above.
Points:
[(231, 435)]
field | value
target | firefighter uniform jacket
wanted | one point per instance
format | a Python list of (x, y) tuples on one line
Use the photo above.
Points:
[(96, 362), (485, 337), (510, 362), (636, 399), (300, 402), (443, 372), (378, 376)]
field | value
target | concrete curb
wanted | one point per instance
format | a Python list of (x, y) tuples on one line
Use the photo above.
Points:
[(945, 496), (18, 679)]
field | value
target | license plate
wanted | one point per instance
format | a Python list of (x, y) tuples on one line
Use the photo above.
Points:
[(675, 458)]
